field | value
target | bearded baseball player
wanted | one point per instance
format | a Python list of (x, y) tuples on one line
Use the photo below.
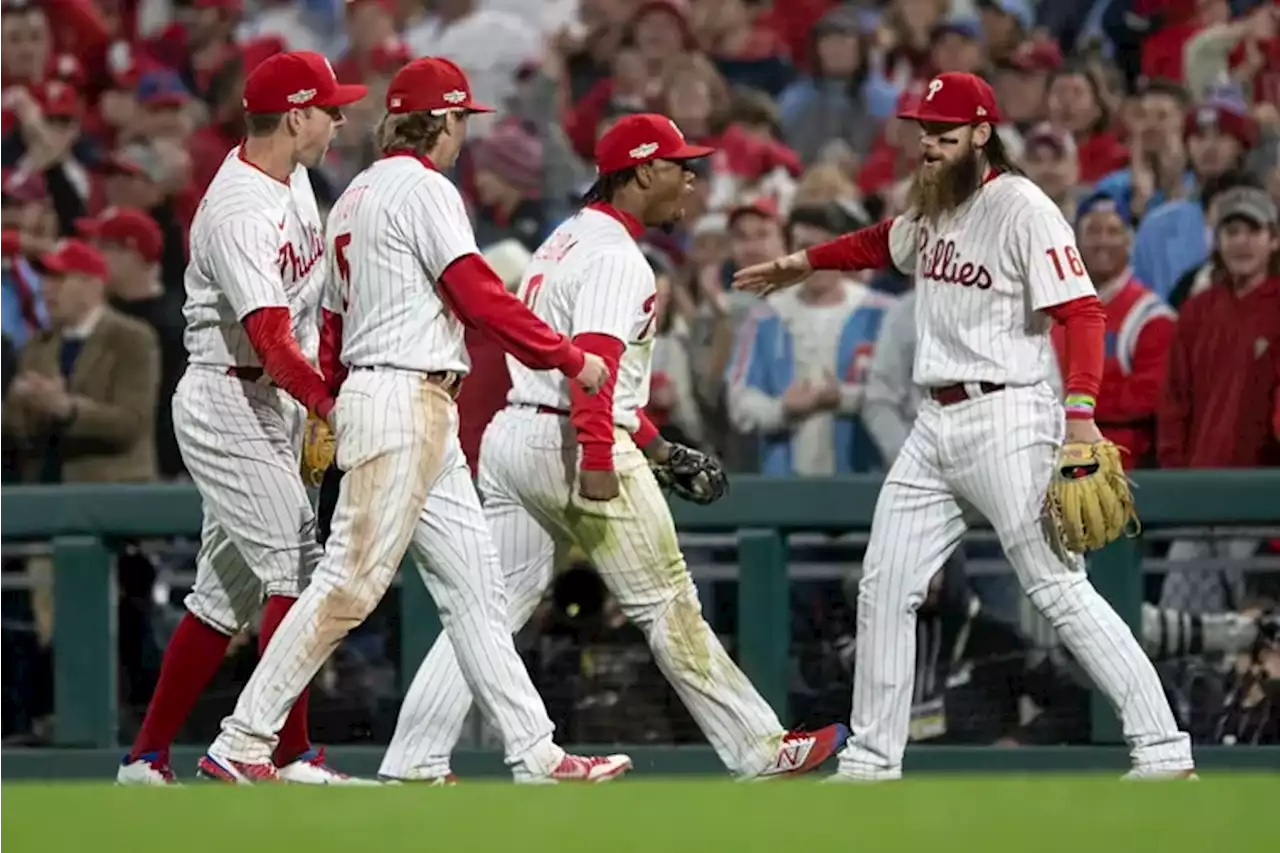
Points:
[(252, 309), (407, 280), (559, 466), (994, 262)]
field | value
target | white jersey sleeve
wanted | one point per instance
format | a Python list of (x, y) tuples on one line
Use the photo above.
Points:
[(902, 243), (615, 290), (441, 228), (1048, 258), (244, 254)]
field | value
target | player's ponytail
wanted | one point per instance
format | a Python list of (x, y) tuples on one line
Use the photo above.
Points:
[(997, 155), (417, 132)]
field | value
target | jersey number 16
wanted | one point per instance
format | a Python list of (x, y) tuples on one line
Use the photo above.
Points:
[(1073, 262)]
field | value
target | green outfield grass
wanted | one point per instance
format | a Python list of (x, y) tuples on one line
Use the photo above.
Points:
[(1223, 813)]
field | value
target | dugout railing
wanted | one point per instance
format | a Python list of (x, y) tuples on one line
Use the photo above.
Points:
[(80, 523)]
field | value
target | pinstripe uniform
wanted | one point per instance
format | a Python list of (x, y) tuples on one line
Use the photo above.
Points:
[(588, 277), (392, 234), (255, 243), (983, 274)]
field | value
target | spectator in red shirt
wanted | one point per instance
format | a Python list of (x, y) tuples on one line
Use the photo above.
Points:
[(1163, 51), (1076, 105), (1139, 328), (1224, 365)]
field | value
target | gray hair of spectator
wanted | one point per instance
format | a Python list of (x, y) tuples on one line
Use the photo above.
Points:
[(417, 131)]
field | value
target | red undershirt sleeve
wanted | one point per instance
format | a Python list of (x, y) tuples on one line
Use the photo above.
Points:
[(646, 433), (1084, 325), (270, 331), (592, 414), (332, 370), (480, 300), (864, 249)]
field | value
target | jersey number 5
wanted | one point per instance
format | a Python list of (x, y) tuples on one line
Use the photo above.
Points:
[(531, 290), (1073, 262), (340, 243)]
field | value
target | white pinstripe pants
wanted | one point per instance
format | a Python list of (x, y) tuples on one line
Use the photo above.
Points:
[(997, 453), (241, 443), (527, 474), (406, 486)]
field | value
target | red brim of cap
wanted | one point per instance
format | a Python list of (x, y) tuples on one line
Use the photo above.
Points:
[(688, 152), (343, 94), (478, 108), (87, 226), (917, 114)]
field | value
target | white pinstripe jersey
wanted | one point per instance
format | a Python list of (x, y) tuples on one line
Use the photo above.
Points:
[(982, 273), (255, 243), (589, 276), (391, 234)]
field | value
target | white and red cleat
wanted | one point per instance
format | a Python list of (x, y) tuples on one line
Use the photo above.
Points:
[(802, 752), (594, 768), (236, 772), (150, 768), (449, 780), (310, 769)]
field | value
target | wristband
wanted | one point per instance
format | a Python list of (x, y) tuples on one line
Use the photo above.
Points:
[(1079, 406)]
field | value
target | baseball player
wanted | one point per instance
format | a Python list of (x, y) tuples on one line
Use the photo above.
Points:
[(994, 261), (407, 280), (252, 309), (559, 467)]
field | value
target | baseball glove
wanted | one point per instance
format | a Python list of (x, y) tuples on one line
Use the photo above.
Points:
[(1089, 500), (691, 474), (317, 451)]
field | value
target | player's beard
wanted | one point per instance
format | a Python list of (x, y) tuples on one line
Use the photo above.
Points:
[(942, 190)]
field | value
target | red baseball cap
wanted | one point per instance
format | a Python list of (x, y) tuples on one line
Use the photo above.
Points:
[(641, 138), (389, 55), (128, 227), (431, 84), (75, 257), (293, 81), (955, 98), (59, 99)]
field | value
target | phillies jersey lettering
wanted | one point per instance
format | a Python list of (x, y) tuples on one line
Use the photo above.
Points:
[(983, 273), (589, 277), (255, 243), (391, 235)]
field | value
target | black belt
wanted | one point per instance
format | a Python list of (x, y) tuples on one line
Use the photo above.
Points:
[(450, 381), (949, 395), (249, 374)]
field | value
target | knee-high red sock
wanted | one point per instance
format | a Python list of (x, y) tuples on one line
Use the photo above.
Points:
[(190, 660), (294, 738)]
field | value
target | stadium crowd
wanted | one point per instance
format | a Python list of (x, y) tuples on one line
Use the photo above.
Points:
[(1155, 124)]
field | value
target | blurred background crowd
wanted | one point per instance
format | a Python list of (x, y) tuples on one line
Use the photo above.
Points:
[(1153, 123)]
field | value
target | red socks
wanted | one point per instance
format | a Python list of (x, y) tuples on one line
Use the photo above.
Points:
[(294, 738), (192, 657)]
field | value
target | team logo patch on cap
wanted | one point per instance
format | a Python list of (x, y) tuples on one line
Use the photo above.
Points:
[(396, 102), (301, 96), (935, 86), (642, 151), (981, 111), (1207, 117), (457, 96)]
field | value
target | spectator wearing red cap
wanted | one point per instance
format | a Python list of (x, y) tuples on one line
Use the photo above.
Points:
[(508, 184), (1173, 238), (1139, 329), (30, 230), (1049, 157), (163, 102), (132, 245), (1076, 104), (1022, 83), (82, 405)]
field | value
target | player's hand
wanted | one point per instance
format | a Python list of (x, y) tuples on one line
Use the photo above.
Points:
[(1084, 431), (598, 485), (594, 373), (763, 279)]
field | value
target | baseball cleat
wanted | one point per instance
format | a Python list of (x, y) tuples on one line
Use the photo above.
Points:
[(594, 768), (802, 752), (310, 769), (149, 768), (446, 781), (236, 772)]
